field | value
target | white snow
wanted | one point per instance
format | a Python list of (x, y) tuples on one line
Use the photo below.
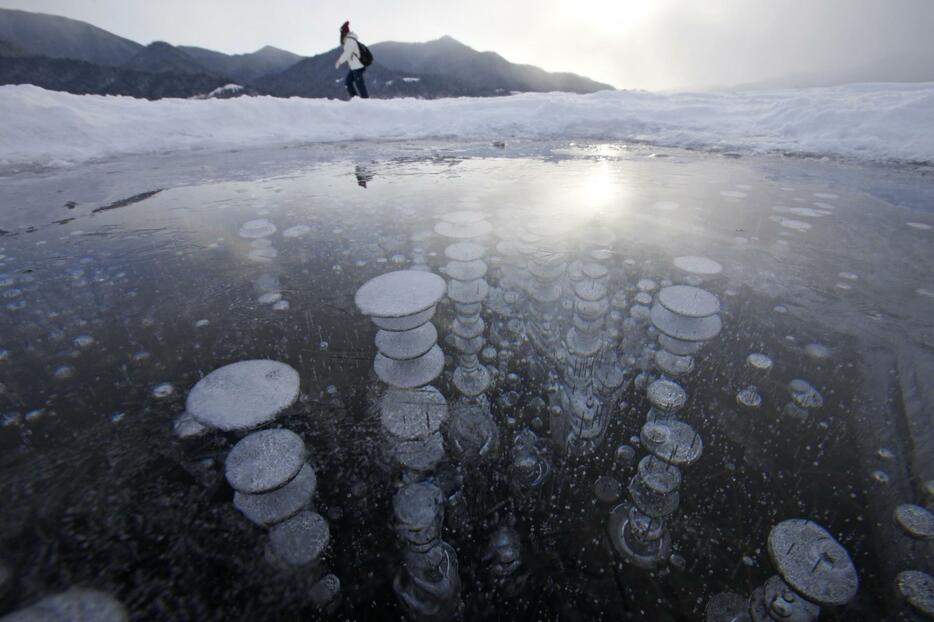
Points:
[(861, 121)]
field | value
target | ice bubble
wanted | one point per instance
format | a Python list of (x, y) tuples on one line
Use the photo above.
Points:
[(260, 228), (607, 489), (918, 589), (688, 301), (885, 453), (409, 344), (805, 395), (408, 414), (243, 395), (643, 298), (749, 397), (141, 356), (274, 507), (185, 426), (162, 390), (625, 455), (63, 372), (848, 276), (826, 195), (296, 231), (4, 355), (915, 520), (759, 361), (269, 298), (666, 395), (812, 562), (817, 351), (281, 305), (400, 294), (918, 225), (412, 373), (201, 323), (265, 460), (702, 266), (733, 194), (880, 476), (928, 293), (325, 594), (300, 540)]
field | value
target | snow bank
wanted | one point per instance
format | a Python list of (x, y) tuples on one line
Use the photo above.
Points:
[(862, 121)]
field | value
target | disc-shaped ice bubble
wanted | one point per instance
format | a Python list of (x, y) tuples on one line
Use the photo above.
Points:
[(296, 231), (759, 361), (666, 395), (594, 270), (418, 505), (274, 507), (673, 441), (918, 589), (915, 520), (590, 290), (243, 395), (702, 266), (400, 294), (466, 270), (685, 328), (817, 351), (749, 397), (185, 426), (688, 301), (408, 414), (473, 382), (257, 229), (265, 460), (75, 605), (406, 322), (411, 373), (679, 347), (607, 489), (409, 344), (420, 454), (301, 539), (727, 607), (659, 477), (468, 292), (466, 251), (465, 231), (805, 395), (813, 562)]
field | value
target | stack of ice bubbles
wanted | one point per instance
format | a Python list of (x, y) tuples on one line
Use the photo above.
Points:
[(686, 317), (401, 304), (428, 585)]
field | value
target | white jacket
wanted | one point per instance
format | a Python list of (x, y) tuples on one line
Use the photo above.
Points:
[(351, 54)]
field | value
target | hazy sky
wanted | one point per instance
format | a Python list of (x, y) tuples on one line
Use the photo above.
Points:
[(650, 44)]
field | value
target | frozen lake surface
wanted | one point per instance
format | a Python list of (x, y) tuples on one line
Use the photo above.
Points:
[(124, 282)]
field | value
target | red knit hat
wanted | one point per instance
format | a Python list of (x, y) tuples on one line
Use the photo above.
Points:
[(345, 28)]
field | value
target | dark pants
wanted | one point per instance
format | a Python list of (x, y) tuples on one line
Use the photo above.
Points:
[(355, 79)]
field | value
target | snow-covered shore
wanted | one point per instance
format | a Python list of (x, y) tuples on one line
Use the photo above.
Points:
[(870, 122)]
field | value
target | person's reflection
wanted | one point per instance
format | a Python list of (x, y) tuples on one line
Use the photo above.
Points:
[(363, 175)]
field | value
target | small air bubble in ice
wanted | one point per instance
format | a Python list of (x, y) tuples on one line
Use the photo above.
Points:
[(162, 390)]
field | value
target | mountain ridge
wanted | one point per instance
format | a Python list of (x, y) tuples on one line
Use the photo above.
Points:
[(443, 67)]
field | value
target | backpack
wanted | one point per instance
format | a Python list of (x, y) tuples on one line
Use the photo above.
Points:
[(366, 56)]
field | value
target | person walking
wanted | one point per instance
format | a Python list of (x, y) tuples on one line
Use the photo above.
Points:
[(351, 56)]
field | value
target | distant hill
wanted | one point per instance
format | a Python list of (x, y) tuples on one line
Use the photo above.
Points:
[(316, 77), (243, 67), (75, 76), (162, 57), (60, 37), (477, 70)]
